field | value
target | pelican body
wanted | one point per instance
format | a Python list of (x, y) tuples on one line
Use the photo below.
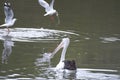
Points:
[(71, 65), (9, 20), (64, 64)]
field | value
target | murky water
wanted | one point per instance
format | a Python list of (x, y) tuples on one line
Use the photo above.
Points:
[(93, 29)]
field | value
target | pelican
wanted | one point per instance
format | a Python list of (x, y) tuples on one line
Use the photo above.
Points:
[(64, 64), (49, 9), (9, 20)]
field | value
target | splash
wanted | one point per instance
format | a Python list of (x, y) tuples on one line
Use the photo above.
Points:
[(36, 34)]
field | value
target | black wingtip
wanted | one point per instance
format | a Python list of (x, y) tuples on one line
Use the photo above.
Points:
[(7, 3)]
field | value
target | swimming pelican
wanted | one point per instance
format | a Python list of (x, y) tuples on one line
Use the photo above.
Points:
[(9, 20), (49, 9), (64, 64)]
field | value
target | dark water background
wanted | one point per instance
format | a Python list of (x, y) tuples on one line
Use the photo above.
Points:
[(96, 47)]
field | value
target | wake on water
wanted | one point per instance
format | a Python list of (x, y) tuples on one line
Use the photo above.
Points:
[(35, 34)]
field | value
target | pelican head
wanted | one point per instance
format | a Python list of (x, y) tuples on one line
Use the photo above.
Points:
[(64, 44)]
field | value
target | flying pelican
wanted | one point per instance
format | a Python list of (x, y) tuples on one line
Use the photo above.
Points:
[(49, 9), (64, 64), (9, 20)]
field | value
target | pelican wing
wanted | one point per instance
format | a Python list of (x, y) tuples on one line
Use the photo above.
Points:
[(44, 4), (52, 4), (8, 13)]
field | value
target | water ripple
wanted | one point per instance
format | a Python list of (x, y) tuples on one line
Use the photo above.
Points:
[(109, 39), (34, 34)]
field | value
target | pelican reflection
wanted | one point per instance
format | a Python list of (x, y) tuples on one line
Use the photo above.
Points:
[(7, 44)]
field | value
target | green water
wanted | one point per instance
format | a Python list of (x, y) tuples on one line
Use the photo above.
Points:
[(96, 47)]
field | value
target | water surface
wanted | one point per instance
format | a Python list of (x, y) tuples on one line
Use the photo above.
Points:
[(92, 26)]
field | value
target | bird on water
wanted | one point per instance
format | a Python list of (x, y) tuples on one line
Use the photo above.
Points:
[(63, 63)]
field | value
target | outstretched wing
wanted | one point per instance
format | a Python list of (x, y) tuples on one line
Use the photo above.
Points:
[(52, 4), (44, 4), (8, 13)]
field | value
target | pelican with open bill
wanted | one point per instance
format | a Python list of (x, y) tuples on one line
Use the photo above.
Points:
[(64, 64)]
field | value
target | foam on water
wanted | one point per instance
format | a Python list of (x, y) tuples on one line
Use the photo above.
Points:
[(88, 74), (35, 34), (109, 39)]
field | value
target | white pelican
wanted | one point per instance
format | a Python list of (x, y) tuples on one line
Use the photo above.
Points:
[(9, 20), (49, 9), (64, 64)]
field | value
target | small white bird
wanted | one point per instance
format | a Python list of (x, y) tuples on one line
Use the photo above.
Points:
[(9, 20), (49, 9)]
